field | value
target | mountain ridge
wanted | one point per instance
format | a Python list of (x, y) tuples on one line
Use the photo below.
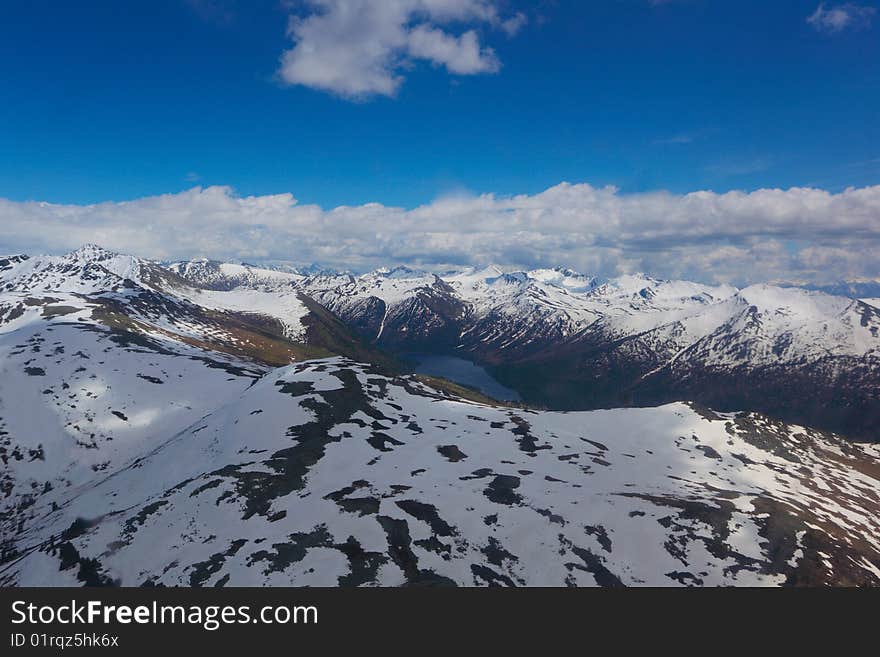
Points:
[(328, 472), (559, 338), (569, 341), (139, 408)]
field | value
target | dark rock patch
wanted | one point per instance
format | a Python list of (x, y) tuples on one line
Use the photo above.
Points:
[(427, 513), (452, 453), (501, 490)]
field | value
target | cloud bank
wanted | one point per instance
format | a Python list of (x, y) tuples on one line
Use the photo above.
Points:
[(359, 48), (794, 235)]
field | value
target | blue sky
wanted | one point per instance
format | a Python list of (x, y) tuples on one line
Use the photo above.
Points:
[(112, 101), (708, 139)]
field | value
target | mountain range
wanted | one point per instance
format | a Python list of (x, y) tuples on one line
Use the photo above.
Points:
[(264, 428), (568, 341)]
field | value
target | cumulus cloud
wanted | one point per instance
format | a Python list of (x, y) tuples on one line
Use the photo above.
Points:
[(359, 48), (460, 55), (797, 235), (836, 18)]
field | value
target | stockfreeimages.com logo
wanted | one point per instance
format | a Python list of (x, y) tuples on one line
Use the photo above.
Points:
[(209, 617)]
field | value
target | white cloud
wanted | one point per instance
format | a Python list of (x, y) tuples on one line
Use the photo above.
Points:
[(836, 18), (461, 55), (770, 234), (359, 48), (514, 24)]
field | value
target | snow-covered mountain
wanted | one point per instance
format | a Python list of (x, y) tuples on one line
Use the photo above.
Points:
[(523, 311), (260, 317), (100, 353), (566, 340), (331, 473), (225, 414), (210, 274), (93, 277)]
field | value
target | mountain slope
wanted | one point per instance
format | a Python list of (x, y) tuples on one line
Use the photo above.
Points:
[(330, 473), (272, 324), (101, 354), (139, 408), (567, 341), (807, 356)]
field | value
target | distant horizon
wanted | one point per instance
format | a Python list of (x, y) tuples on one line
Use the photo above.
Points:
[(307, 269)]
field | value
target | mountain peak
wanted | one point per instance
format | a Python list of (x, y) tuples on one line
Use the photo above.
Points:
[(510, 278), (565, 278), (93, 253), (11, 258), (400, 272)]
